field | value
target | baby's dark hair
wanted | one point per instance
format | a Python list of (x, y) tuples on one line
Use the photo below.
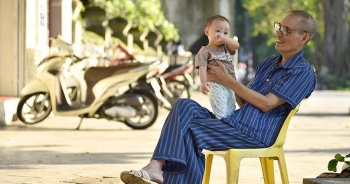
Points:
[(215, 17)]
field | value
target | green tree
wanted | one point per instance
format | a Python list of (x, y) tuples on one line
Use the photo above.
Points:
[(265, 12), (144, 14), (336, 50)]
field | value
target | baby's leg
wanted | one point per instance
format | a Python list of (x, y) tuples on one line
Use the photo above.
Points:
[(231, 101), (218, 100)]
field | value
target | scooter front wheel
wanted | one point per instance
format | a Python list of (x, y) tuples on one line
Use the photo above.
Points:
[(147, 113), (34, 108)]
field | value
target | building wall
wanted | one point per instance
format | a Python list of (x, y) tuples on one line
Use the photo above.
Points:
[(36, 38), (24, 38), (7, 47), (23, 41)]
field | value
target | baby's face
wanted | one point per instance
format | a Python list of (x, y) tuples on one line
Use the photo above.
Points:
[(218, 28)]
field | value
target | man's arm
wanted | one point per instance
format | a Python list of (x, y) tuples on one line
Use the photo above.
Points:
[(219, 74), (240, 101)]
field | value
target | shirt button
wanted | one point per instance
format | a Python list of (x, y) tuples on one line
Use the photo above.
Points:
[(267, 80)]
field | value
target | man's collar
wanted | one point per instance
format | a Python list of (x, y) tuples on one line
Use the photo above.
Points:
[(291, 61)]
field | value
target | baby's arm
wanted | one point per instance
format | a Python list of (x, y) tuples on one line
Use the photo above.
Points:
[(203, 79), (231, 43)]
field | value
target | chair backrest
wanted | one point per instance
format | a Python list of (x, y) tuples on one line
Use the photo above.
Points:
[(283, 132)]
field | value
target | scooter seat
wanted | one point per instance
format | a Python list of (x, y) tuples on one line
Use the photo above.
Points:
[(172, 67), (94, 74)]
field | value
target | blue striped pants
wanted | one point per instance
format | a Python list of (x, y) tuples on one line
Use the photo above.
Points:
[(188, 129)]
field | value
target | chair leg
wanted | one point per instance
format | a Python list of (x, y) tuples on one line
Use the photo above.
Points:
[(268, 170), (283, 168), (233, 162), (207, 169)]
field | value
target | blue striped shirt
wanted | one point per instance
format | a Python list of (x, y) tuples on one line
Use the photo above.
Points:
[(292, 82)]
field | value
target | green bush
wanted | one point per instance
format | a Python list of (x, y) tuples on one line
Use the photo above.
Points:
[(332, 164), (335, 82)]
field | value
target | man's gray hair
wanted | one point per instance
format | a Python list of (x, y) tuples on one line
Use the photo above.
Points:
[(308, 23)]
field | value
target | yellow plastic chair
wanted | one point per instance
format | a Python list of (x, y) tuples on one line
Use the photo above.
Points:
[(234, 156)]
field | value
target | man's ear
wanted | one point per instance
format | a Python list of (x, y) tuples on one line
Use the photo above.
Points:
[(306, 38)]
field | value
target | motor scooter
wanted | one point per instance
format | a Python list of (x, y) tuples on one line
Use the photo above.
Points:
[(168, 82), (108, 93), (178, 79)]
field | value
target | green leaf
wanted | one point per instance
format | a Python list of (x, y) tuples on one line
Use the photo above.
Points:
[(339, 158), (332, 165), (348, 162)]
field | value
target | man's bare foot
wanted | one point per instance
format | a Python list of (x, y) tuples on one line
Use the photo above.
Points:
[(154, 170)]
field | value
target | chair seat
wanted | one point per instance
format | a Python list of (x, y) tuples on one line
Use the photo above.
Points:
[(234, 156), (248, 153)]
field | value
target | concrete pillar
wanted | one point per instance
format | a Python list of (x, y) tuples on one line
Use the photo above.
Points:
[(190, 23), (226, 9)]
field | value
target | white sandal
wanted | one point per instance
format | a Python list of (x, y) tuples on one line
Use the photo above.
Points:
[(136, 177)]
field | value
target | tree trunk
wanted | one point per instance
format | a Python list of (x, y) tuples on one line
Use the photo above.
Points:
[(336, 54)]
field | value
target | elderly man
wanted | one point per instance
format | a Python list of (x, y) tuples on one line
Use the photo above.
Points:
[(280, 84)]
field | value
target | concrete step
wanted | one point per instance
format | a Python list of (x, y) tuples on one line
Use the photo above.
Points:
[(8, 107)]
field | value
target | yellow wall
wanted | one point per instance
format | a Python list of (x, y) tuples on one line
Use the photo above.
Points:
[(7, 47)]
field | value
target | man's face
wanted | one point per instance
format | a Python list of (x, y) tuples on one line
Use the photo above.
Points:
[(294, 40)]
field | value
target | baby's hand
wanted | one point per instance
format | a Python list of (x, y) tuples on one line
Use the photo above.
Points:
[(219, 37), (205, 88)]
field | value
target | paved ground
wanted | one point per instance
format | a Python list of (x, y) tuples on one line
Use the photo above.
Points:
[(53, 152)]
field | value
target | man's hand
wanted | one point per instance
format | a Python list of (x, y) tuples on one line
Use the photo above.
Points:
[(218, 74)]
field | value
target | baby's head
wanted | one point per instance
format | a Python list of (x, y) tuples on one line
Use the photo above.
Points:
[(217, 25), (216, 17)]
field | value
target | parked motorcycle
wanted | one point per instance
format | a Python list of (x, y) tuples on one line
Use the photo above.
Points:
[(173, 82), (178, 78), (168, 82), (108, 93)]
